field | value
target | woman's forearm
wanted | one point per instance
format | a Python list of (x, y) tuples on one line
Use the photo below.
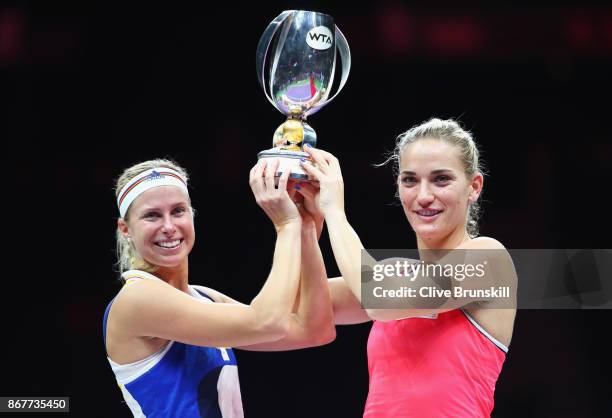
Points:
[(275, 301), (312, 322), (315, 311), (347, 248)]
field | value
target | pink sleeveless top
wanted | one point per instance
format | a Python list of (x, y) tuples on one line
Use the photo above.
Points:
[(443, 367)]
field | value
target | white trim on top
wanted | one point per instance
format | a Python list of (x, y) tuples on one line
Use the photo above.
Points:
[(485, 333)]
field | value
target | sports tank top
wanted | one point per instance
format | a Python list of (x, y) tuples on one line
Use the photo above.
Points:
[(443, 366), (179, 380)]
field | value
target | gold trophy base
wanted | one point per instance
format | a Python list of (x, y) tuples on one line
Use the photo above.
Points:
[(289, 160)]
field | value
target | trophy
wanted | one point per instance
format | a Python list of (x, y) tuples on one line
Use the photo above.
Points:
[(296, 62)]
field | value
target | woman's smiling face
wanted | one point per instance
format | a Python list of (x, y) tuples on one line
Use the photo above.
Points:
[(434, 189), (160, 224)]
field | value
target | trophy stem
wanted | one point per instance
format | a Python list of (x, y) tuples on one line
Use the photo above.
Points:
[(288, 146), (293, 134)]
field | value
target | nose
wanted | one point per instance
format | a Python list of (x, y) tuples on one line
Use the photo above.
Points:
[(168, 227), (425, 197)]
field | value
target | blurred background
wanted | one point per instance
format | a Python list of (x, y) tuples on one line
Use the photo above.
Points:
[(87, 89)]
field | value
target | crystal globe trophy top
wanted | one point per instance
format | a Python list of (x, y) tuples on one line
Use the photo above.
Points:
[(296, 62)]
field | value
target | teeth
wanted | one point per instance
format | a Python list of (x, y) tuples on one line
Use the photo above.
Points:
[(169, 244), (428, 212)]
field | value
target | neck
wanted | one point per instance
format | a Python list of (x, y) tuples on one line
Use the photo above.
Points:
[(176, 277)]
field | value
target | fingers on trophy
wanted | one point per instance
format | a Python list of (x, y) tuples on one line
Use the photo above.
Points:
[(296, 62)]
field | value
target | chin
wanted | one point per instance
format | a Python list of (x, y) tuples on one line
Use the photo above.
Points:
[(167, 262), (174, 261), (428, 232)]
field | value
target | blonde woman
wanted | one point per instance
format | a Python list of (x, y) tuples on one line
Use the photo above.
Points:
[(168, 342), (429, 358)]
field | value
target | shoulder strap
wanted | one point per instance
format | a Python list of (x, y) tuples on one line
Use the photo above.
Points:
[(203, 294), (105, 319)]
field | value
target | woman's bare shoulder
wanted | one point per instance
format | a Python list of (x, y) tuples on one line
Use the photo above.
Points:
[(482, 243)]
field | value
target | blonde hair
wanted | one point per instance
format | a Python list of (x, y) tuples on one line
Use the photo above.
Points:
[(127, 255), (451, 132)]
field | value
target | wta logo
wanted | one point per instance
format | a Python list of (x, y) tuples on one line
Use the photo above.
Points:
[(319, 38)]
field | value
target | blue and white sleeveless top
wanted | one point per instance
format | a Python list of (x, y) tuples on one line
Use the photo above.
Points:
[(180, 380)]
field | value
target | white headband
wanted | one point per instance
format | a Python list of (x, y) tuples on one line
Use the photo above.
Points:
[(159, 176)]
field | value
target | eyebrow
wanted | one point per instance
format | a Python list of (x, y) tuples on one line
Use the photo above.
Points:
[(155, 208), (439, 171)]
